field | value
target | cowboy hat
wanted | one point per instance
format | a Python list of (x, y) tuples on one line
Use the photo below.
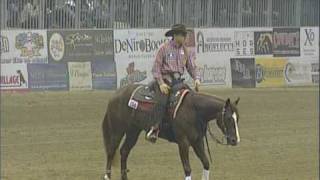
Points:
[(177, 28)]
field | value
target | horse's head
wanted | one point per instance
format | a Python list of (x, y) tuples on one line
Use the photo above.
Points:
[(228, 122)]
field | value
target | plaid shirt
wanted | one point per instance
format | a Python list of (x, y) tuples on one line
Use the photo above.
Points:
[(171, 59)]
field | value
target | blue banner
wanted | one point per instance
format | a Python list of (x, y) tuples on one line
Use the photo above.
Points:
[(103, 74), (48, 76)]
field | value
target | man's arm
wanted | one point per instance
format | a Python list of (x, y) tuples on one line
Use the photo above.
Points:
[(156, 69)]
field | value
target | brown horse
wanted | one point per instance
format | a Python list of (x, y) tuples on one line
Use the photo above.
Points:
[(189, 127)]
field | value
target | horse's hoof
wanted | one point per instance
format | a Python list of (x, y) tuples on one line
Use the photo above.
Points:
[(106, 177)]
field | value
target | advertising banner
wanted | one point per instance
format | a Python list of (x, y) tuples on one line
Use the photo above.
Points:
[(263, 43), (79, 45), (215, 73), (213, 48), (309, 42), (80, 76), (216, 42), (48, 76), (270, 72), (135, 51), (286, 42), (104, 75), (14, 77), (244, 43), (298, 72), (24, 46), (243, 72)]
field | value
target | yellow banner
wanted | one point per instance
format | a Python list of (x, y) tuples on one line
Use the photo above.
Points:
[(270, 72)]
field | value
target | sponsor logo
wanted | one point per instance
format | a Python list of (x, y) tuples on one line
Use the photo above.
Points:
[(242, 69), (310, 37), (15, 80), (30, 44), (213, 44), (78, 39), (263, 42), (4, 44), (290, 40), (244, 43), (77, 71), (56, 47), (267, 72), (213, 74), (133, 76), (293, 73), (134, 45)]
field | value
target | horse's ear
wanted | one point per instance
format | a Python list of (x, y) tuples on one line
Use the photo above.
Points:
[(227, 102), (237, 101)]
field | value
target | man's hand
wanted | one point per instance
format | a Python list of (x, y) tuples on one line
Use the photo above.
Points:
[(164, 88), (197, 84)]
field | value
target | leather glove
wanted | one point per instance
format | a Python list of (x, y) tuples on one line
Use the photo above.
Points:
[(164, 88)]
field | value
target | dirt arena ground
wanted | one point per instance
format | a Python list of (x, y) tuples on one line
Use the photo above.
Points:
[(57, 135)]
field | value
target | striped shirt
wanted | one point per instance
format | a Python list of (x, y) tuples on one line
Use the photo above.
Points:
[(171, 59)]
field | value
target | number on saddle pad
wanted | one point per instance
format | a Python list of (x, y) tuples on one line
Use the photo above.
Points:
[(133, 103)]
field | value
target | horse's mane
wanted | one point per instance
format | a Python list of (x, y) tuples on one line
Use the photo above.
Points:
[(211, 96), (205, 100)]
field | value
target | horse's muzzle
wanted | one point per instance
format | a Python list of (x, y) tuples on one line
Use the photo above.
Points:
[(232, 141)]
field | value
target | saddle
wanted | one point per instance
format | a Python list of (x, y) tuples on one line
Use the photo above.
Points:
[(143, 99)]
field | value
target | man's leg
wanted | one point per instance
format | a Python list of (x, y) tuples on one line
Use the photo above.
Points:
[(158, 114)]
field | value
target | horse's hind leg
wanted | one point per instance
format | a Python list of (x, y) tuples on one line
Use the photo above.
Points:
[(112, 138), (132, 136), (198, 147)]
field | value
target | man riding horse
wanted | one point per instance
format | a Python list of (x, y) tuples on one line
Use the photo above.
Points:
[(135, 108), (171, 60)]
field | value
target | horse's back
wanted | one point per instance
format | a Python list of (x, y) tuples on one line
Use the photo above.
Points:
[(123, 93)]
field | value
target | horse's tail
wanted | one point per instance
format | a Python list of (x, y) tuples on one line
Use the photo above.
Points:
[(111, 147), (106, 132)]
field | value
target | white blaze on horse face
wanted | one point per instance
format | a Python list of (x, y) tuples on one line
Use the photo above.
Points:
[(188, 178), (235, 118)]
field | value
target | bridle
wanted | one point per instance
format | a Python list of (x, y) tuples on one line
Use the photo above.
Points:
[(224, 130)]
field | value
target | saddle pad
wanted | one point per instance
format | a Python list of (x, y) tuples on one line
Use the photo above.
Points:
[(142, 98)]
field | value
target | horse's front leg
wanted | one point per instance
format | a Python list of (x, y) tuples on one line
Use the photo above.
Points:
[(131, 139), (184, 156), (198, 147)]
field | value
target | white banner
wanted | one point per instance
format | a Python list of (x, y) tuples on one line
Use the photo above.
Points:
[(215, 72), (298, 72), (214, 47), (24, 46), (135, 51), (309, 42), (80, 76), (14, 77)]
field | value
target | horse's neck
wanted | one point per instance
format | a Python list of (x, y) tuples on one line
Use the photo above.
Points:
[(208, 106)]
